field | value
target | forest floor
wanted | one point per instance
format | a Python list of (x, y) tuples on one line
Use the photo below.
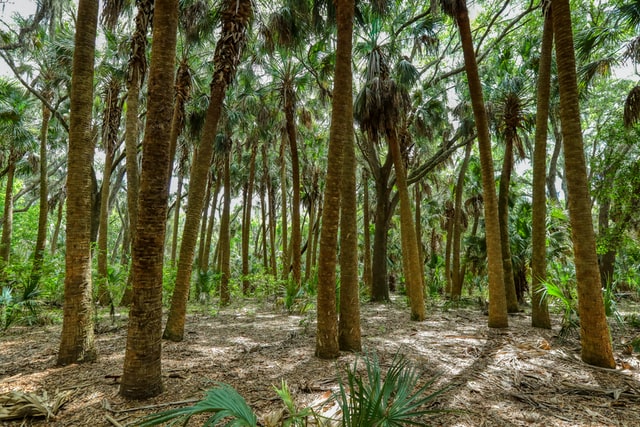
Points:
[(513, 377)]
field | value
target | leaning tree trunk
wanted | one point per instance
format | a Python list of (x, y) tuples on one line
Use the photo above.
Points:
[(236, 16), (142, 373), (77, 338), (497, 298), (539, 307), (456, 277), (410, 254), (296, 237), (594, 331)]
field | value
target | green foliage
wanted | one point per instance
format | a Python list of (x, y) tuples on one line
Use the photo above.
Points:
[(168, 282), (20, 304), (223, 402), (561, 293), (395, 400), (297, 417)]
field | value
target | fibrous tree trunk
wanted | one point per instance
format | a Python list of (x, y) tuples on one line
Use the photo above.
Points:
[(235, 16), (77, 338), (594, 331), (142, 370), (539, 307)]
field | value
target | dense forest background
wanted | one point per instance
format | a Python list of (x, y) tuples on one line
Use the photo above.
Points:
[(157, 155)]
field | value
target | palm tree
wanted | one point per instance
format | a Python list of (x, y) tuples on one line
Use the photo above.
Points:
[(77, 339), (340, 133), (142, 376), (349, 336), (135, 78), (539, 307), (236, 17), (497, 298), (110, 127), (14, 128), (595, 338)]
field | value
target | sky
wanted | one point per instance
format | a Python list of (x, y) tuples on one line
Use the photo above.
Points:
[(7, 9)]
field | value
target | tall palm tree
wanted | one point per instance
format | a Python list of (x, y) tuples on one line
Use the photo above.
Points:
[(77, 339), (236, 17), (136, 75), (539, 307), (142, 376), (594, 331), (110, 127), (349, 321), (497, 298), (340, 133)]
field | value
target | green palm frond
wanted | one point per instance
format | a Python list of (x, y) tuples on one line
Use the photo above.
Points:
[(630, 13), (393, 400), (222, 401)]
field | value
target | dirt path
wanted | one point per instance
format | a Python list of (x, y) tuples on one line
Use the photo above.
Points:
[(515, 377)]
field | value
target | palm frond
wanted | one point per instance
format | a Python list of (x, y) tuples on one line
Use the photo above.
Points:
[(223, 401)]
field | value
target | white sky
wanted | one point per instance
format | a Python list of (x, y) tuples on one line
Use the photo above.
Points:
[(8, 8)]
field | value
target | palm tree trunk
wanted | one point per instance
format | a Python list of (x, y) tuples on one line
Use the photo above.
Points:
[(503, 213), (594, 331), (366, 220), (410, 254), (284, 219), (340, 133), (497, 298), (142, 373), (296, 236), (235, 19), (224, 243), (349, 336), (77, 338), (7, 224), (43, 210), (539, 307), (380, 284), (456, 277), (204, 261), (176, 220), (246, 222)]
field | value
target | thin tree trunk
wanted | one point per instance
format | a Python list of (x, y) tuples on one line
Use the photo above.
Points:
[(246, 221), (497, 298), (205, 260), (552, 175), (56, 229), (43, 209), (200, 261), (410, 255), (176, 220), (296, 232), (224, 243), (503, 213), (456, 277), (366, 220), (235, 19), (7, 225), (284, 219), (539, 307)]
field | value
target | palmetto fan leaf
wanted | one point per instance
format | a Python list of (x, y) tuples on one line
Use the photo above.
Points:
[(222, 401)]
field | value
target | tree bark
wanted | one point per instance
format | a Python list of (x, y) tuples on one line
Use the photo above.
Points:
[(594, 331), (497, 298), (142, 370), (539, 307)]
